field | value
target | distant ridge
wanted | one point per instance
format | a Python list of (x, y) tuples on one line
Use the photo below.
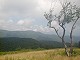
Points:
[(35, 35)]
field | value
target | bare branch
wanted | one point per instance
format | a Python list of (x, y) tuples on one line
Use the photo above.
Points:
[(73, 27), (56, 32)]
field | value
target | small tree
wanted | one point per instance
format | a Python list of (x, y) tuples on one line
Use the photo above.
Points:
[(69, 13)]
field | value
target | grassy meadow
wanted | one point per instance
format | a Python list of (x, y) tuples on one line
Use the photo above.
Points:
[(52, 54)]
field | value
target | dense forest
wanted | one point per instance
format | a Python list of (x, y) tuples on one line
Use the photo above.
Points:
[(14, 43)]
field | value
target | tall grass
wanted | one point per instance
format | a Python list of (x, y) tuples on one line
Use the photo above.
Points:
[(20, 51), (53, 54)]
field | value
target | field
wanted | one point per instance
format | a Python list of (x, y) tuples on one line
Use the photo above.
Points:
[(52, 54)]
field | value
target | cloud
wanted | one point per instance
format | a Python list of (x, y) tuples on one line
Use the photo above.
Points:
[(18, 12), (25, 22), (12, 25), (27, 14), (24, 8), (43, 29), (20, 22), (18, 9)]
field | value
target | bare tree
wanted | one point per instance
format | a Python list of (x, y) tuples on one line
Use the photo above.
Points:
[(69, 13)]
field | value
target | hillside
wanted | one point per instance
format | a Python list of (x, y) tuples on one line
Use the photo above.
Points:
[(35, 35), (13, 43), (8, 44)]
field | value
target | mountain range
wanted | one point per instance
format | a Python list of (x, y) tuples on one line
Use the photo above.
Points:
[(35, 35)]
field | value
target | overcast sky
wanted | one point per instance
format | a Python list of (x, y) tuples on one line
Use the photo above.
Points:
[(22, 15)]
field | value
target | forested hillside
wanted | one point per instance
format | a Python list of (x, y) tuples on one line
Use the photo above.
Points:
[(13, 43)]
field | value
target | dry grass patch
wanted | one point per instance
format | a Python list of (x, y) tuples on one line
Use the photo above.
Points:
[(55, 54)]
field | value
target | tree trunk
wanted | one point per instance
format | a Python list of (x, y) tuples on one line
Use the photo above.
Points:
[(66, 50), (71, 37), (71, 50), (65, 46), (71, 44)]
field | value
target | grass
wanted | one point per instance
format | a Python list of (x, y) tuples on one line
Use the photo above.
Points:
[(53, 54), (20, 51)]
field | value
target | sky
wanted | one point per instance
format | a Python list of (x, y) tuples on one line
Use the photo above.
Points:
[(23, 15)]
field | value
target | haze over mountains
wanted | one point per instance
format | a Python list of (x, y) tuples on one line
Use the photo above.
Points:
[(13, 40), (35, 35)]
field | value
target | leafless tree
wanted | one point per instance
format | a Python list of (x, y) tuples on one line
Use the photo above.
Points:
[(69, 13)]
